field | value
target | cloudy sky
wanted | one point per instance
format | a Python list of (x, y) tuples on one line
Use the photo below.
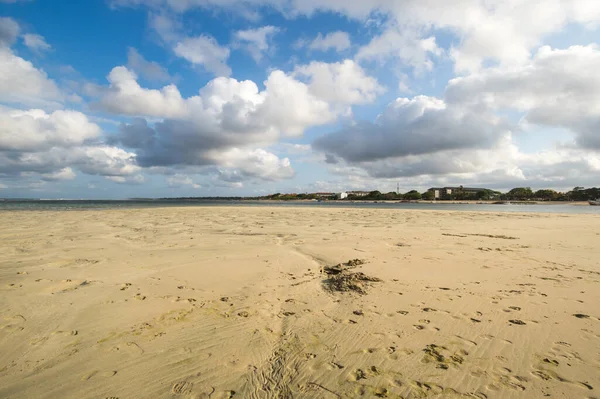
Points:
[(154, 98)]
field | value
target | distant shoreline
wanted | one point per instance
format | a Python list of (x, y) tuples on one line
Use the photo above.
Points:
[(303, 201)]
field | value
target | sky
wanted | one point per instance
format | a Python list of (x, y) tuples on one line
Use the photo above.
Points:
[(174, 98)]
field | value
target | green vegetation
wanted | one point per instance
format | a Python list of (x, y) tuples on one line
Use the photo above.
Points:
[(458, 194)]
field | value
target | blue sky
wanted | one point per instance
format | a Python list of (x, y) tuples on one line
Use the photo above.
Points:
[(157, 98)]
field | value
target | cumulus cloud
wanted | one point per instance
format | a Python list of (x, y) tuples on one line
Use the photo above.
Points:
[(35, 130), (125, 96), (90, 159), (167, 28), (256, 163), (178, 143), (556, 88), (338, 40), (340, 82), (498, 30), (9, 31), (256, 41), (226, 106), (62, 174), (129, 180), (150, 70), (206, 52), (404, 45), (20, 81), (463, 136), (54, 145), (36, 43), (224, 124), (179, 180), (501, 166), (23, 83), (220, 126), (410, 127)]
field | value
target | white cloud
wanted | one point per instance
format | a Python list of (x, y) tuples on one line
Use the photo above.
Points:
[(179, 180), (415, 126), (206, 52), (9, 31), (167, 28), (406, 46), (556, 88), (21, 82), (126, 96), (94, 160), (225, 123), (340, 83), (500, 30), (130, 180), (337, 40), (36, 43), (54, 145), (63, 174), (105, 161), (257, 163), (501, 166), (286, 106), (148, 69), (257, 40), (35, 130)]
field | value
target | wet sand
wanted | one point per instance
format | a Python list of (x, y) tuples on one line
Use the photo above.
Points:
[(234, 302)]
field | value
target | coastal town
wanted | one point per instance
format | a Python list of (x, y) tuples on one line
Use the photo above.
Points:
[(449, 193)]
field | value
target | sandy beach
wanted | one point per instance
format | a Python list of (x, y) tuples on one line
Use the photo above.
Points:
[(225, 302)]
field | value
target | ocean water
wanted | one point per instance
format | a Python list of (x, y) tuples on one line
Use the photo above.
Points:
[(73, 205)]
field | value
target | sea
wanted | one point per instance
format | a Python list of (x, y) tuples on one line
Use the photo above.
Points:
[(75, 205)]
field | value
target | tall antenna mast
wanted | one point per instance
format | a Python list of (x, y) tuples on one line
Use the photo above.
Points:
[(397, 188)]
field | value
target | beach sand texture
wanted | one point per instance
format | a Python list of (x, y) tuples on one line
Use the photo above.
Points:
[(227, 302)]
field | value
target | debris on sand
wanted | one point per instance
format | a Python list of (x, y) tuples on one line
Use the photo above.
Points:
[(354, 262), (337, 269), (432, 352), (340, 279), (517, 322), (581, 316)]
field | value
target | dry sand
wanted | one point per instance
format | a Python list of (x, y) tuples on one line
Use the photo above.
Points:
[(230, 302)]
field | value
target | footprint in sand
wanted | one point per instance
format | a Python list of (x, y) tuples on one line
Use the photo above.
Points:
[(358, 375), (182, 388)]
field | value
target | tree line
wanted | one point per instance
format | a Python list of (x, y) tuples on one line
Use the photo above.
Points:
[(516, 194)]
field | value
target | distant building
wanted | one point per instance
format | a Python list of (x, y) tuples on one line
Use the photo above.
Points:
[(342, 195), (447, 192), (358, 193), (323, 195)]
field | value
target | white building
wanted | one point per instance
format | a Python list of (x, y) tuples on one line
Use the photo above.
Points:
[(359, 193), (342, 195)]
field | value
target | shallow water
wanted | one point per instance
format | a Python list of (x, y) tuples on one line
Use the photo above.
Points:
[(57, 205)]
